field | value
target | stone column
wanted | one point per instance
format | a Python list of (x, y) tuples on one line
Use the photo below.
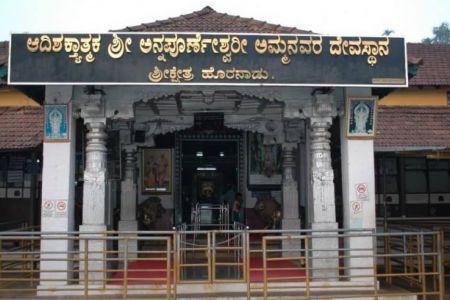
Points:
[(324, 250), (291, 219), (58, 195), (358, 189), (94, 191), (128, 202)]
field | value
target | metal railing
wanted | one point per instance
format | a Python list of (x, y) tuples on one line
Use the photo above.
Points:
[(301, 264), (441, 225)]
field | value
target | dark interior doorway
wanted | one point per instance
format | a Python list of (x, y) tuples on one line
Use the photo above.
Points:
[(208, 167)]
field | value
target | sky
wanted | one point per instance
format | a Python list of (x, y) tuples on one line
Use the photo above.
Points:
[(412, 19)]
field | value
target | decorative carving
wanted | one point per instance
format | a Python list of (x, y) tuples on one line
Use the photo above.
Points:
[(94, 187), (149, 212), (93, 106), (324, 106), (289, 164), (268, 210), (271, 128), (163, 126), (322, 172), (130, 162), (96, 149), (294, 130)]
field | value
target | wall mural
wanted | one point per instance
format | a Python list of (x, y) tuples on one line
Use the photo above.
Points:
[(264, 161), (157, 171), (361, 117), (56, 123)]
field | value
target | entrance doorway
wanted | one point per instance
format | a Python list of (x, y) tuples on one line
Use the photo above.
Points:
[(209, 165)]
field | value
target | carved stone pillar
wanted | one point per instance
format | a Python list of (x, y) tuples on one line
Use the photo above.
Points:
[(95, 175), (290, 193), (94, 191), (128, 203), (324, 263), (291, 219), (322, 171)]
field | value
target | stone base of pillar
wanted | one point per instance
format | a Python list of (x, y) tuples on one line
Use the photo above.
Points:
[(324, 252), (294, 244), (95, 258), (131, 249)]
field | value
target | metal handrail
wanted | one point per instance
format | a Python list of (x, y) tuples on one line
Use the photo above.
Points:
[(415, 258)]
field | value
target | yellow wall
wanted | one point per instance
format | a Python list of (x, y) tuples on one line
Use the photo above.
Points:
[(415, 97), (13, 97)]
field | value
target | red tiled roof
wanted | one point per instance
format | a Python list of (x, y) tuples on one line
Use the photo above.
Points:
[(21, 127), (401, 128), (434, 66), (208, 20)]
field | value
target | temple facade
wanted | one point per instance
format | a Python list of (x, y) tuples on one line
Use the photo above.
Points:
[(125, 155)]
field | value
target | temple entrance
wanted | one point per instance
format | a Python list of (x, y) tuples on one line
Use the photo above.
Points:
[(209, 174)]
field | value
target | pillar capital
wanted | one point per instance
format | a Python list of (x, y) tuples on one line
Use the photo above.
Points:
[(92, 108), (288, 146), (294, 130), (322, 107)]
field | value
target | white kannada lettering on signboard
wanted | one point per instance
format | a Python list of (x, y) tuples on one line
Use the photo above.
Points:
[(61, 208), (362, 191), (48, 208)]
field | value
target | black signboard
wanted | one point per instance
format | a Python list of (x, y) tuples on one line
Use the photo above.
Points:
[(207, 59)]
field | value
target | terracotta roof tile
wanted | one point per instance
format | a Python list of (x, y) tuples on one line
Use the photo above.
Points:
[(403, 128), (434, 66), (21, 127), (208, 20)]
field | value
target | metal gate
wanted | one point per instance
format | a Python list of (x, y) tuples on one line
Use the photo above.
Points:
[(211, 256)]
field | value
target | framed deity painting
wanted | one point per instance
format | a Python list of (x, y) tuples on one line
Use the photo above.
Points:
[(156, 171), (264, 162), (56, 123), (361, 114)]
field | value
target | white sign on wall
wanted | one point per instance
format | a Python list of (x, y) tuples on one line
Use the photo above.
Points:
[(362, 191), (356, 217), (48, 209), (60, 208), (54, 208)]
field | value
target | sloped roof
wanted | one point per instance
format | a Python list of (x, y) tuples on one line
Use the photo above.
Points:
[(208, 20), (434, 65), (21, 127), (4, 49), (4, 52), (403, 128)]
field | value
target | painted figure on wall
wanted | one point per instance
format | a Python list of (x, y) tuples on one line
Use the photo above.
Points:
[(162, 169), (361, 115), (56, 126), (156, 170), (264, 161)]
